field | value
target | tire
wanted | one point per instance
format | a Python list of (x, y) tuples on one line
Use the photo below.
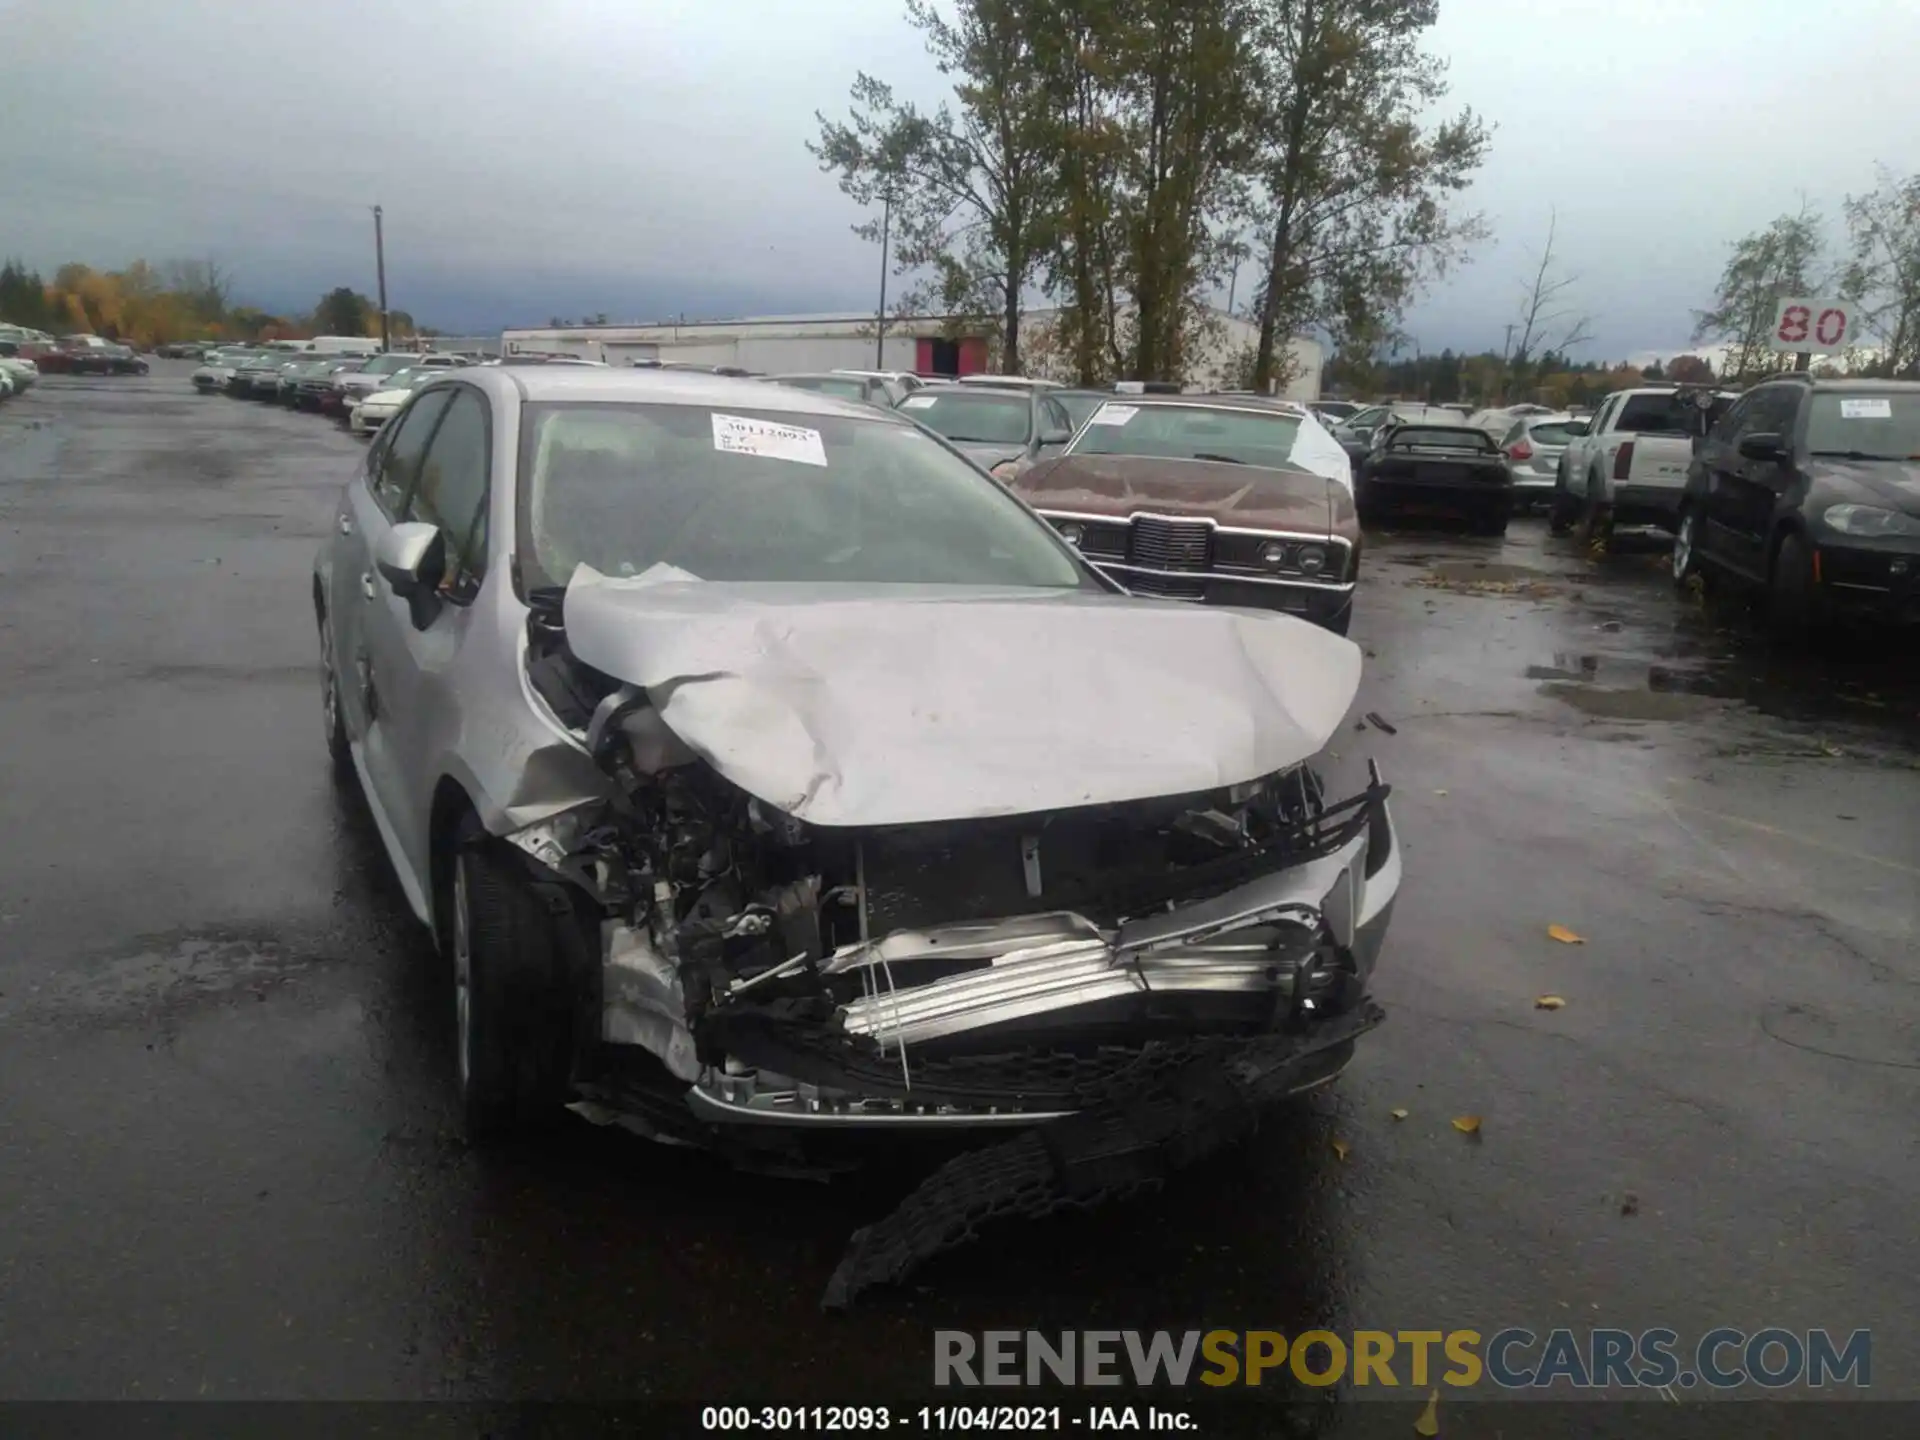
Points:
[(331, 715), (1793, 604), (513, 1016), (1564, 510), (1596, 520), (1686, 548)]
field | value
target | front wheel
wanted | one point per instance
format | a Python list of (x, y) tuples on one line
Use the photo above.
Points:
[(1686, 548), (331, 715), (1793, 599), (513, 1017), (1565, 509)]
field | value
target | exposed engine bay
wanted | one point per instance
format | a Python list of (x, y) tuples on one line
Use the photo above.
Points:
[(998, 970)]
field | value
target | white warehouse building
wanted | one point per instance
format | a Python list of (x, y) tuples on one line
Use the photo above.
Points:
[(923, 344)]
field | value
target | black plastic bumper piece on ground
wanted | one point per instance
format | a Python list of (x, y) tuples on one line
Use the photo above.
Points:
[(1100, 1154)]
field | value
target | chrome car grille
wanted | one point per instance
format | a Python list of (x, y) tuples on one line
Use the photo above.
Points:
[(1170, 544)]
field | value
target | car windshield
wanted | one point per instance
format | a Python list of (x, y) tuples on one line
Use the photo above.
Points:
[(1876, 427), (1079, 404), (1190, 432), (984, 416), (844, 386), (387, 364), (1438, 437), (755, 496), (411, 378)]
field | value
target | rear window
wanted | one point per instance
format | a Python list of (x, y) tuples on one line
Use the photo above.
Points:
[(1434, 437), (981, 416), (1553, 432), (1652, 415), (846, 389)]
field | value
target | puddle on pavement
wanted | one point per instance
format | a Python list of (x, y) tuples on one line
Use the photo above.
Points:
[(1608, 703), (1854, 689)]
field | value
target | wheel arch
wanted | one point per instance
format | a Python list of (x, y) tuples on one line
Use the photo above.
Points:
[(1783, 526)]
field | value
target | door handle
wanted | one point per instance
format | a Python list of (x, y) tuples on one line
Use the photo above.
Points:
[(366, 584), (346, 525)]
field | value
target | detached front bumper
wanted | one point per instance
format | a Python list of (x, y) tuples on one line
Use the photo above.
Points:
[(1022, 1021)]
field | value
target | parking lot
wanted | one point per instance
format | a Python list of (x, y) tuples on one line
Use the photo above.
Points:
[(232, 1161)]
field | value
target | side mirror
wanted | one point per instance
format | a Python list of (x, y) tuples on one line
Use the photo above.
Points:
[(412, 558), (1763, 447)]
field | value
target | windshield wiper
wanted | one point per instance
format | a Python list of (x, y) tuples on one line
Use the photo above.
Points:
[(1223, 459), (1857, 455)]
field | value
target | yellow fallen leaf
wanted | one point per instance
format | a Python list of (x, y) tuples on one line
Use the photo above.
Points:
[(1439, 792), (1564, 935), (1429, 1422), (1399, 1114), (1549, 1002), (1467, 1124), (1342, 1149)]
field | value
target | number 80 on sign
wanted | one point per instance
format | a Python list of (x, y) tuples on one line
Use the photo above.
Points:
[(1803, 326)]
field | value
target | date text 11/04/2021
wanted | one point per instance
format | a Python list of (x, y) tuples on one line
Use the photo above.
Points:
[(1035, 1419), (1770, 1358)]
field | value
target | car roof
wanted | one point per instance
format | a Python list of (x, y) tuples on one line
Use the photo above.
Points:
[(566, 384), (1846, 385)]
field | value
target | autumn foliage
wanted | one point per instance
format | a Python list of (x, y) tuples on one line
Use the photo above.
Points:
[(145, 305)]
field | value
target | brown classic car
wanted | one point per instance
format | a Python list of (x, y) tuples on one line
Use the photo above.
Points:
[(1229, 500)]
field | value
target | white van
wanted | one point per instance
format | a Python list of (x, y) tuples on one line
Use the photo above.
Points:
[(341, 345)]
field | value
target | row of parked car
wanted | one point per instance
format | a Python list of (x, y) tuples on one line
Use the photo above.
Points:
[(25, 355), (1803, 494), (362, 390)]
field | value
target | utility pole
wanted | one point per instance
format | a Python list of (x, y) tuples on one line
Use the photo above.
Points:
[(380, 266), (880, 323)]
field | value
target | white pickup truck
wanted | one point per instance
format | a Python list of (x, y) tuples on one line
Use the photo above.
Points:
[(1630, 468)]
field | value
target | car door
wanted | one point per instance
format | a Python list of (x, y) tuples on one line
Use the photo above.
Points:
[(1744, 492), (415, 643), (1707, 477), (370, 667)]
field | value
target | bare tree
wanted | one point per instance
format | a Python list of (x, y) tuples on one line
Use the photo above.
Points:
[(1548, 323)]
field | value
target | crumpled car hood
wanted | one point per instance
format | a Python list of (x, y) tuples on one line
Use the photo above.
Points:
[(896, 704)]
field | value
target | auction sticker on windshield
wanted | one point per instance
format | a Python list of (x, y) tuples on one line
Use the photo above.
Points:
[(918, 402), (1114, 414), (737, 435), (1873, 409)]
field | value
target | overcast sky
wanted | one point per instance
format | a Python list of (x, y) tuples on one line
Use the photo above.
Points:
[(645, 157)]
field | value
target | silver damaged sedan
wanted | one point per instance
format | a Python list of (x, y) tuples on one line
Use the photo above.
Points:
[(763, 769)]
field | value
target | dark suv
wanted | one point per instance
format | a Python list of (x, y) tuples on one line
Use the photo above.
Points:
[(1809, 490)]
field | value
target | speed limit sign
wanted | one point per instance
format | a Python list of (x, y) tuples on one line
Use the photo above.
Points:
[(1803, 326)]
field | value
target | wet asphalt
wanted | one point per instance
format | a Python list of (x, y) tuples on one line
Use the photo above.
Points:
[(230, 1166)]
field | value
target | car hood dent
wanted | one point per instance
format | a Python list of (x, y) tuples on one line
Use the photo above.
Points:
[(884, 705)]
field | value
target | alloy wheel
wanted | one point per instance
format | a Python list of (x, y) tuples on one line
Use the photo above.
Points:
[(1683, 547)]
